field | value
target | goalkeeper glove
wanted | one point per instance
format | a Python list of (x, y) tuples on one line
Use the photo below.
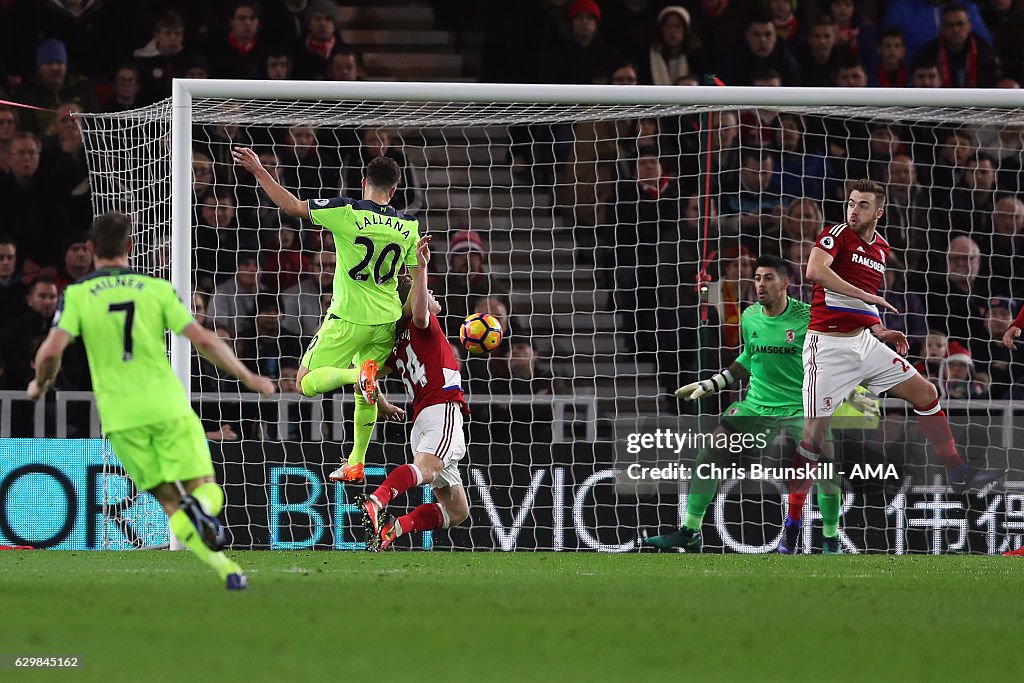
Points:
[(713, 384), (861, 401)]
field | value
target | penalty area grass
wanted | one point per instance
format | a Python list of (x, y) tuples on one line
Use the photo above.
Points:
[(158, 615)]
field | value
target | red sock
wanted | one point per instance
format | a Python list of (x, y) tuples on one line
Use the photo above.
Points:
[(424, 518), (399, 481), (935, 427), (799, 488)]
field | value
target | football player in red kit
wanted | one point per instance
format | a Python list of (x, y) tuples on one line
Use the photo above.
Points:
[(424, 360), (846, 344)]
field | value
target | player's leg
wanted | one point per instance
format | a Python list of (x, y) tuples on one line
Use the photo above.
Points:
[(830, 504), (894, 375), (422, 470), (703, 487), (184, 456), (450, 510), (326, 364)]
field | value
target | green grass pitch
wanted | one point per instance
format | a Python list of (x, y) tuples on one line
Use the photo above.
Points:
[(160, 615)]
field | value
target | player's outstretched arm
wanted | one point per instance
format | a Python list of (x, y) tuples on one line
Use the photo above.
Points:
[(48, 362), (819, 270), (713, 384), (213, 348), (894, 337), (1010, 336), (289, 203), (420, 303)]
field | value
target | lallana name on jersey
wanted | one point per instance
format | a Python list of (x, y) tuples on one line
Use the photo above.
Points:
[(387, 221)]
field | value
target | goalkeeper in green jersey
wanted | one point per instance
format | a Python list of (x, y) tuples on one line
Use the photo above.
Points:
[(773, 337), (373, 241), (121, 316)]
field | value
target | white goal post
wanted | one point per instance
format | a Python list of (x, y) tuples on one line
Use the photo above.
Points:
[(576, 495)]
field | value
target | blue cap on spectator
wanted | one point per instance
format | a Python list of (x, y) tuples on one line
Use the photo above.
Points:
[(49, 51)]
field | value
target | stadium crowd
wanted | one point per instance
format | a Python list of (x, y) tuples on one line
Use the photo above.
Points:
[(954, 216)]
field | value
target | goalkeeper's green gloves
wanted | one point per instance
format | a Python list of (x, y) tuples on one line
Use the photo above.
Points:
[(860, 399), (705, 387)]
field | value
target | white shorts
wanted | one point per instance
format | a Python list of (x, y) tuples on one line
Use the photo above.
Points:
[(834, 366), (438, 431)]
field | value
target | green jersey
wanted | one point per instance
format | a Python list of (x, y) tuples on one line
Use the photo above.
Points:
[(773, 353), (372, 242), (121, 316)]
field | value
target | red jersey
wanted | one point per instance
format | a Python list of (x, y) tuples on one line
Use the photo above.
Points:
[(860, 263), (426, 364)]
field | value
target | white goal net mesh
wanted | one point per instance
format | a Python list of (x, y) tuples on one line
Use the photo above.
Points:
[(586, 229)]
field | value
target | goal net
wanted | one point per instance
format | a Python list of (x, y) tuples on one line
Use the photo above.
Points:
[(614, 231)]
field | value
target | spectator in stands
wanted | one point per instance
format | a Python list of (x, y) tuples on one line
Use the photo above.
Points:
[(731, 293), (892, 69), (756, 206), (630, 27), (346, 64), (12, 288), (284, 23), (761, 49), (8, 127), (242, 54), (264, 351), (467, 280), (855, 37), (195, 66), (965, 59), (911, 319), (286, 383), (801, 221), (309, 167), (1005, 244), (126, 91), (220, 139), (785, 21), (51, 86), (376, 142), (997, 365), (817, 56), (35, 203), (586, 180), (761, 127), (233, 304), (925, 74), (256, 209), (851, 74), (218, 238), (675, 51), (801, 161), (799, 287), (323, 20), (278, 64), (906, 211), (496, 307), (525, 376), (301, 303), (284, 261), (163, 57), (584, 56), (203, 179), (77, 261), (647, 212), (972, 200), (63, 155), (199, 307), (1005, 21), (920, 21), (956, 298), (720, 24), (955, 147), (933, 353), (957, 378), (22, 335)]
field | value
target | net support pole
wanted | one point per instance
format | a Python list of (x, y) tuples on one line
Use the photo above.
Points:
[(181, 230)]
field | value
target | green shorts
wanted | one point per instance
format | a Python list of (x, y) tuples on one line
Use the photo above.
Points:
[(153, 454), (341, 344), (748, 418)]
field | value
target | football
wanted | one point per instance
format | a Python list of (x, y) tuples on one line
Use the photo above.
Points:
[(480, 333)]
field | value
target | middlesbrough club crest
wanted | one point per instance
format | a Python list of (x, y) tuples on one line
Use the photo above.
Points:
[(827, 401), (790, 336)]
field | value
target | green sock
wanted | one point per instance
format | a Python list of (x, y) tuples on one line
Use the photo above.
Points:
[(830, 502), (210, 496), (365, 418), (182, 527), (702, 492), (322, 380)]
